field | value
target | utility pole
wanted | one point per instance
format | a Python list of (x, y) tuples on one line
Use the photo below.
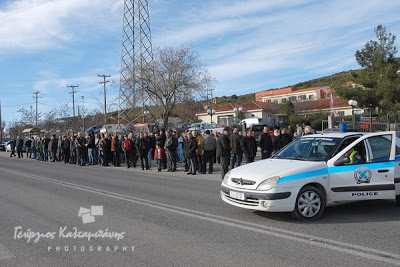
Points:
[(36, 96), (83, 111), (73, 99), (104, 82)]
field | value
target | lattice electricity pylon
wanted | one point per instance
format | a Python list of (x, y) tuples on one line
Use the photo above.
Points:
[(136, 63)]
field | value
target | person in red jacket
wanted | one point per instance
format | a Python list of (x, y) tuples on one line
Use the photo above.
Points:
[(158, 156)]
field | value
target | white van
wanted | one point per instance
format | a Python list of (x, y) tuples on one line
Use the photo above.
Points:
[(251, 121), (317, 171)]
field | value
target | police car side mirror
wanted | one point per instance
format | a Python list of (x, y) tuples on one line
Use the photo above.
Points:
[(341, 162)]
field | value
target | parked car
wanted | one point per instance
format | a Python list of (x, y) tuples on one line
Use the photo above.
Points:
[(3, 146), (318, 171), (112, 128), (94, 129)]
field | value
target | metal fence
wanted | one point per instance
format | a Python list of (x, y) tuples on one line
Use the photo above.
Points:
[(364, 126)]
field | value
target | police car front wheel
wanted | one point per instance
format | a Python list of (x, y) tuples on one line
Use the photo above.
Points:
[(310, 204)]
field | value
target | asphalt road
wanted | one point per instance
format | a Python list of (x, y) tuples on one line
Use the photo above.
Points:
[(171, 219)]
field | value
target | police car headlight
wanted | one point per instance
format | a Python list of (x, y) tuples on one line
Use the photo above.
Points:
[(226, 178), (268, 183)]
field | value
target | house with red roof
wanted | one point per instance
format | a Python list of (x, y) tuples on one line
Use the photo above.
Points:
[(228, 114)]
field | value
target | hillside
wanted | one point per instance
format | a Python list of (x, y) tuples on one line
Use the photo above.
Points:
[(331, 80), (236, 99)]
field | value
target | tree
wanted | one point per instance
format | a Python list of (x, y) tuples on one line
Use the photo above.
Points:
[(178, 76), (377, 85), (27, 117), (287, 108), (377, 52)]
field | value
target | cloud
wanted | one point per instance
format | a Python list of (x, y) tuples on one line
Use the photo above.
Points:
[(310, 36), (53, 24)]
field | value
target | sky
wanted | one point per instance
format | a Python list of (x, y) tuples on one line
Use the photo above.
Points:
[(246, 45)]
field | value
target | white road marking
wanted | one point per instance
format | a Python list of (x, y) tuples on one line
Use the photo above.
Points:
[(347, 248), (5, 253)]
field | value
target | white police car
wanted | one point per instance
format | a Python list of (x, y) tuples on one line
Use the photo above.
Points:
[(315, 171)]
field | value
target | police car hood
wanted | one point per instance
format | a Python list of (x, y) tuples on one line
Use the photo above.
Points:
[(255, 173)]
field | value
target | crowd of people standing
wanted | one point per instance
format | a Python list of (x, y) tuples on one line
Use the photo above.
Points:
[(163, 149)]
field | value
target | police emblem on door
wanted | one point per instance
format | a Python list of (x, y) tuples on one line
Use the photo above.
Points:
[(362, 176)]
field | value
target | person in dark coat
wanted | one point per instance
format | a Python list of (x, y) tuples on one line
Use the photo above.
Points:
[(171, 145), (72, 149), (224, 150), (46, 148), (106, 146), (276, 140), (65, 146), (186, 152), (285, 138), (135, 155), (20, 145), (249, 146), (152, 146), (265, 143), (80, 143), (237, 152), (160, 141), (13, 144), (54, 147), (208, 145), (28, 146), (192, 147), (143, 147), (91, 149)]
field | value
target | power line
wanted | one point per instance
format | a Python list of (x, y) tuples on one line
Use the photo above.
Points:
[(25, 9), (17, 105), (36, 96), (104, 82), (73, 98)]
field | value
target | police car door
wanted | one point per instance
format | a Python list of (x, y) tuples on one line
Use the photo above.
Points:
[(369, 177)]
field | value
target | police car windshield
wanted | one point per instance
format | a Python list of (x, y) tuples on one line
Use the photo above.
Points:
[(309, 149)]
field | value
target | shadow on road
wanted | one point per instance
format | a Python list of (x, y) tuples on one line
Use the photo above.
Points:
[(359, 212)]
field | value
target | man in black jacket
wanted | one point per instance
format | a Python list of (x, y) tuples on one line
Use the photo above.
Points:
[(46, 148), (171, 144), (91, 147), (249, 146), (106, 145), (143, 147), (20, 145), (54, 147), (276, 140), (80, 143), (191, 148), (224, 150), (151, 140), (237, 152), (13, 144), (265, 142), (28, 146), (65, 145), (285, 138)]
